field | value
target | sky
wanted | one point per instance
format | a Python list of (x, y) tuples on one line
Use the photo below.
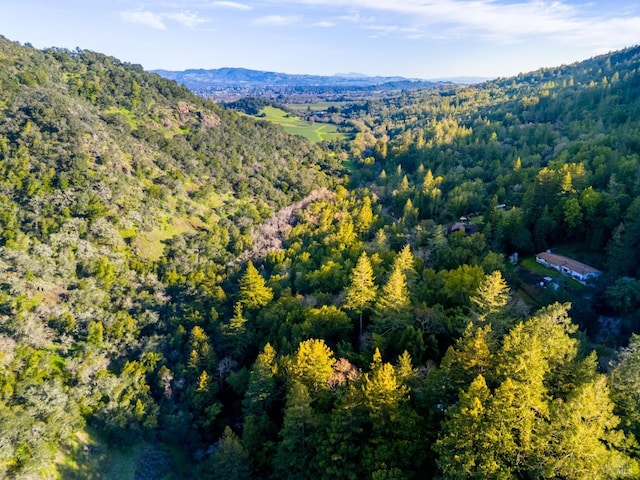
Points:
[(426, 39)]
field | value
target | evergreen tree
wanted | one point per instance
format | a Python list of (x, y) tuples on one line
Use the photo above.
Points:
[(405, 260), (254, 292), (381, 388), (466, 448), (624, 382), (572, 215), (365, 216), (472, 355), (260, 432), (393, 306), (410, 214), (297, 446), (491, 297), (312, 365), (581, 440), (230, 460), (362, 290), (339, 448), (432, 192), (544, 229), (395, 444), (236, 331)]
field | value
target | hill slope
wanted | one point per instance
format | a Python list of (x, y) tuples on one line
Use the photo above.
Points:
[(102, 165), (365, 341)]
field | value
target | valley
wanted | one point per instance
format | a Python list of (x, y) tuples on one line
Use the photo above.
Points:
[(318, 280)]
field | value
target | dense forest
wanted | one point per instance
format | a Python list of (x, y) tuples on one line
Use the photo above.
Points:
[(188, 292)]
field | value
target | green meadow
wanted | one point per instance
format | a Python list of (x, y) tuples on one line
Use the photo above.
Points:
[(314, 107), (316, 132)]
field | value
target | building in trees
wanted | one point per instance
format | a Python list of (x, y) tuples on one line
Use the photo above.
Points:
[(568, 266)]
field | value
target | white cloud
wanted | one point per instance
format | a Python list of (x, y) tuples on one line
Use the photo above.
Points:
[(500, 20), (146, 18), (355, 18), (384, 30), (277, 20), (234, 5), (158, 20), (610, 34), (188, 19), (325, 24)]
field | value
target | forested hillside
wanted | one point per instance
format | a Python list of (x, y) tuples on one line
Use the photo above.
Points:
[(212, 298), (104, 166), (547, 159)]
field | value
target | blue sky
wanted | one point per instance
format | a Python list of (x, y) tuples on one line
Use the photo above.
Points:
[(412, 38)]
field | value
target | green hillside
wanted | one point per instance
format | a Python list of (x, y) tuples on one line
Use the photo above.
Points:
[(187, 292), (103, 166)]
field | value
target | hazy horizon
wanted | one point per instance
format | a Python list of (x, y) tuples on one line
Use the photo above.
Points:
[(413, 38)]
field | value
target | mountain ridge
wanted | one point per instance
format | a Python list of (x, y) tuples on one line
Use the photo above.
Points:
[(239, 75)]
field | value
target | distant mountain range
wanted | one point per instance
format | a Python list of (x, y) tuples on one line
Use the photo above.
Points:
[(199, 78), (229, 84)]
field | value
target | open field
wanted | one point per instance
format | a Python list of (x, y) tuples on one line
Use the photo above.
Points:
[(316, 132), (314, 107)]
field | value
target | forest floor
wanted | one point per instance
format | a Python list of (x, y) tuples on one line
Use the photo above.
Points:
[(90, 458)]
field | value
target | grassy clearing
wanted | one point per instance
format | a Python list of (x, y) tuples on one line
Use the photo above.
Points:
[(350, 165), (150, 244), (127, 115), (89, 458), (314, 107), (316, 132), (534, 267), (538, 269)]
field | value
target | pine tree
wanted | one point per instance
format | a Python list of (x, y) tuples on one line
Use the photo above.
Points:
[(339, 448), (393, 307), (312, 364), (202, 356), (230, 460), (260, 432), (625, 386), (543, 231), (491, 297), (395, 444), (405, 260), (404, 370), (465, 449), (471, 356), (364, 218), (410, 214), (404, 184), (581, 439), (254, 292), (381, 388), (236, 332), (362, 291), (572, 214), (297, 447), (431, 192)]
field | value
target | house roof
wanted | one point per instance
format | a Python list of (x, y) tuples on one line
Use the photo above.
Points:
[(467, 228), (570, 263)]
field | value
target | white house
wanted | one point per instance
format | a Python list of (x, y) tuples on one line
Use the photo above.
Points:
[(568, 266)]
